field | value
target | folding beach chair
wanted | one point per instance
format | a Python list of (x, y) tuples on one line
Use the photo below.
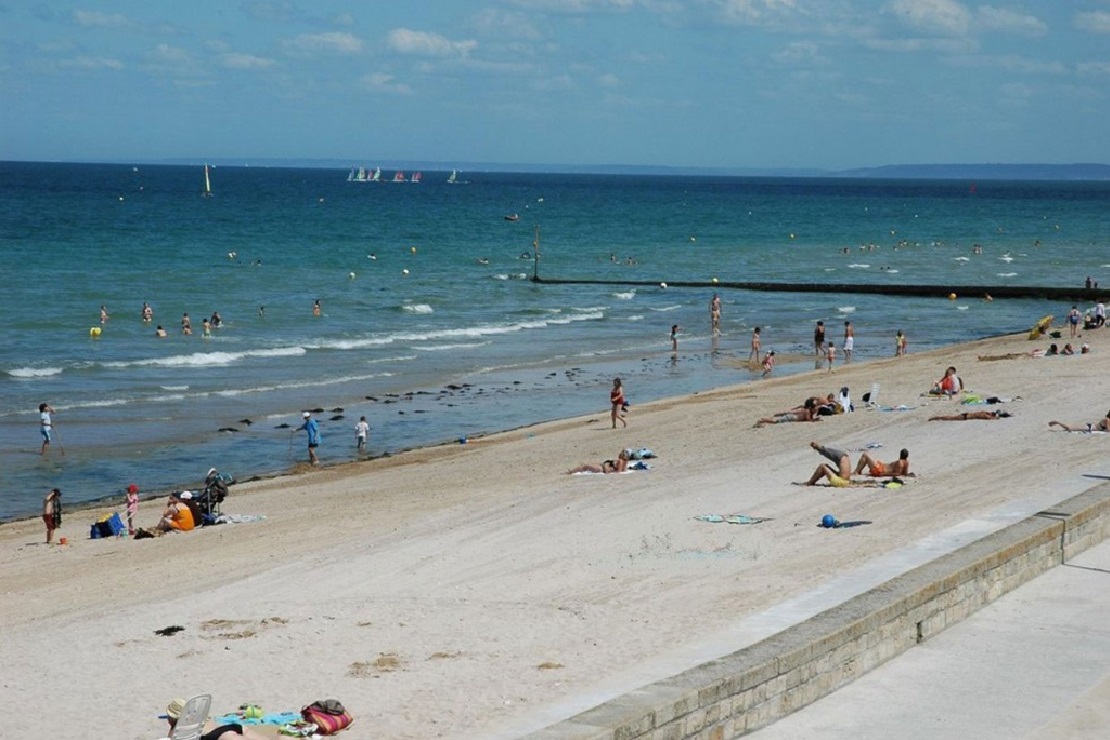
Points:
[(190, 725), (873, 396)]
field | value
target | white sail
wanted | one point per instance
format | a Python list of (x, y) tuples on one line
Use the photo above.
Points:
[(454, 175), (207, 183)]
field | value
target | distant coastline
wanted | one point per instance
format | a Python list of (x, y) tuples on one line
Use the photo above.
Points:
[(981, 171)]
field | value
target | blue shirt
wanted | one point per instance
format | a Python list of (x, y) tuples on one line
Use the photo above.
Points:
[(313, 429)]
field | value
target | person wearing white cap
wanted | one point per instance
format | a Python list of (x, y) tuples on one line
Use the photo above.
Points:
[(178, 515), (312, 430)]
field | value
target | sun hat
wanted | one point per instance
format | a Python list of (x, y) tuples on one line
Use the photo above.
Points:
[(211, 471), (306, 415), (174, 708), (186, 495)]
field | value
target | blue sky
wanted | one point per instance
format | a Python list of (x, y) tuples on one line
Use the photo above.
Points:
[(717, 83)]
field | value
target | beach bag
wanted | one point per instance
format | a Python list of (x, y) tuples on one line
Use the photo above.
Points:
[(108, 525), (328, 715)]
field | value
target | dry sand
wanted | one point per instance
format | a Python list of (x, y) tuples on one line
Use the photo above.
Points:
[(455, 591)]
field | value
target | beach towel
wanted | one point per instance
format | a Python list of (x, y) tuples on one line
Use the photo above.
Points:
[(732, 518), (633, 468), (900, 407), (240, 518)]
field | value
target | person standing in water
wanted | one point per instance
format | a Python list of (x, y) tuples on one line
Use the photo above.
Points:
[(362, 431), (674, 337), (849, 341), (715, 315), (757, 346), (316, 310), (46, 426), (312, 430)]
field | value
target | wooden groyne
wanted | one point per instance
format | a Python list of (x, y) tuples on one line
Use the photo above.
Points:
[(1037, 292)]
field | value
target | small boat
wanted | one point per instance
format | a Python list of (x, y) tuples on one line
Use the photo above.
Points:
[(453, 178), (416, 177), (377, 176), (399, 177), (512, 217), (207, 183)]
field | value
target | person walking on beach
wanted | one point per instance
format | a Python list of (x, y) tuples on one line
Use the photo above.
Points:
[(617, 403), (899, 344), (819, 338), (830, 355), (46, 426), (312, 431), (757, 345), (52, 513), (1073, 320), (849, 341), (715, 315), (362, 430)]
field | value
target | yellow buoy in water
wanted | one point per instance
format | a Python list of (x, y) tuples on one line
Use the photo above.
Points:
[(951, 296), (94, 331), (412, 249), (405, 271), (714, 281)]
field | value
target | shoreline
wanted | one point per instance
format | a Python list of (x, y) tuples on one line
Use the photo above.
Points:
[(491, 586), (791, 363)]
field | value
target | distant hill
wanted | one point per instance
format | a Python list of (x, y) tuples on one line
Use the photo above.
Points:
[(984, 171)]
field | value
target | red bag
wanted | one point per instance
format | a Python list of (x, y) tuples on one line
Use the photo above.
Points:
[(328, 715)]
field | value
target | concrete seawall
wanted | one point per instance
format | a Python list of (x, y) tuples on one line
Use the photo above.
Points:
[(753, 687)]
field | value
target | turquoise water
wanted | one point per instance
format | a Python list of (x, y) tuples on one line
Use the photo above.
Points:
[(439, 306)]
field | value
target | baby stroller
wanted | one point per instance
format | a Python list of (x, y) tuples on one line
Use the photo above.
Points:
[(215, 491)]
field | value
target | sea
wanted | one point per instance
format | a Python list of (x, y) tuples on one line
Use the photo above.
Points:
[(429, 323)]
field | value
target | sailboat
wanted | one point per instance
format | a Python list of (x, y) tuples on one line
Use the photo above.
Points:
[(416, 177), (377, 176), (207, 183), (399, 177), (453, 178)]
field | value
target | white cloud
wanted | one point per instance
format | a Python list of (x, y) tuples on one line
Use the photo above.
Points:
[(1097, 21), (933, 16), (490, 22), (1000, 19), (1010, 63), (945, 46), (96, 19), (608, 80), (382, 82), (91, 63), (753, 12), (799, 53), (423, 43), (246, 61), (335, 42), (171, 54), (1094, 68)]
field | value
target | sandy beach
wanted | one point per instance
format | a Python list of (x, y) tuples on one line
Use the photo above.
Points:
[(455, 591)]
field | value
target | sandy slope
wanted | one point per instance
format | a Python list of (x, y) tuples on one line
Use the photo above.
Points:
[(447, 591)]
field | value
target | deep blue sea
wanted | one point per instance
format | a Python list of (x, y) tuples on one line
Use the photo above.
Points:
[(426, 306)]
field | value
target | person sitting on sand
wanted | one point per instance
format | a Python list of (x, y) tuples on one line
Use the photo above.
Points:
[(607, 466), (985, 415), (1103, 425), (1068, 349), (212, 731), (949, 385), (807, 413), (177, 516), (879, 469), (826, 471)]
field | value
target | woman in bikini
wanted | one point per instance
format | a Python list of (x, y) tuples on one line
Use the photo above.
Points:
[(616, 402), (607, 466)]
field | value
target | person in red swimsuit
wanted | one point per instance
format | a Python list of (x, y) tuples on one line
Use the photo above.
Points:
[(617, 403)]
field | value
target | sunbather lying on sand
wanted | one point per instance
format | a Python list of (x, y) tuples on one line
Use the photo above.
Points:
[(807, 413), (607, 466), (986, 415), (1103, 425), (879, 469)]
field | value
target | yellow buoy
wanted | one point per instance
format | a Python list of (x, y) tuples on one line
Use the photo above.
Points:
[(412, 249), (405, 272), (714, 281), (951, 296), (94, 331)]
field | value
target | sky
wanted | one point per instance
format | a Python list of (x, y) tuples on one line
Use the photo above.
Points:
[(829, 84)]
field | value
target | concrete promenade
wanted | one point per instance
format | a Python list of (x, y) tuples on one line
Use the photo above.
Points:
[(1035, 664)]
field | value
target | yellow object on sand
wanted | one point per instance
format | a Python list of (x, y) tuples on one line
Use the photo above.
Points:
[(1041, 327)]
